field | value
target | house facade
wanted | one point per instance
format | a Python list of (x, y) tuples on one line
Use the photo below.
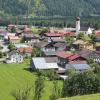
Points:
[(53, 36), (30, 38), (52, 48), (95, 55), (14, 39), (15, 57), (66, 57), (25, 51), (80, 44)]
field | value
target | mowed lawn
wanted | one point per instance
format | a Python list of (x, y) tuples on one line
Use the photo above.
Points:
[(15, 76), (85, 97)]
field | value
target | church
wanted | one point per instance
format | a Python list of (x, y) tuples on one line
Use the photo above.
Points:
[(79, 29)]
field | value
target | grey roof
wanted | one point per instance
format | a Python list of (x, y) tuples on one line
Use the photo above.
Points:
[(40, 63), (57, 40), (14, 52), (51, 59), (78, 66), (85, 53), (58, 44), (41, 44), (30, 35), (84, 29), (88, 53)]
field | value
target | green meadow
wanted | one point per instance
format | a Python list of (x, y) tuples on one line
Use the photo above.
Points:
[(85, 97), (17, 76)]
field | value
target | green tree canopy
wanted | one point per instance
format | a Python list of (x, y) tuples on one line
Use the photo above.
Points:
[(80, 84)]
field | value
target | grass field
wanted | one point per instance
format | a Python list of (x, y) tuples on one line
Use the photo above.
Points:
[(86, 97), (15, 76)]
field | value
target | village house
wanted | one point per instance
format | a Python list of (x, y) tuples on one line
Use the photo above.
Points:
[(41, 64), (25, 51), (57, 36), (80, 44), (14, 39), (51, 49), (23, 29), (63, 57), (31, 38), (15, 57), (67, 60), (66, 57), (27, 30), (78, 66), (89, 54), (12, 27), (51, 36)]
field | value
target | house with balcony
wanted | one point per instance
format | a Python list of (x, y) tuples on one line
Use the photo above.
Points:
[(51, 49), (66, 57)]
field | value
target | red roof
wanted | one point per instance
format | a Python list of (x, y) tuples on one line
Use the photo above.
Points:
[(21, 50), (26, 50), (70, 34), (77, 62), (64, 54), (98, 34), (27, 30), (54, 34), (74, 57), (59, 34)]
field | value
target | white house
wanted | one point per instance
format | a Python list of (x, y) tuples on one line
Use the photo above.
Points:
[(15, 57)]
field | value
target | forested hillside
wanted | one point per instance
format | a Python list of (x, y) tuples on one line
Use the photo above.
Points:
[(50, 7)]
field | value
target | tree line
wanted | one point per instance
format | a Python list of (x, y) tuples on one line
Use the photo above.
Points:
[(49, 8)]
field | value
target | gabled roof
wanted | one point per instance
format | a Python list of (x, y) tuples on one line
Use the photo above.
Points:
[(26, 50), (64, 54), (14, 52), (85, 53), (70, 34), (27, 30), (88, 53), (59, 34), (41, 64), (58, 44), (53, 34), (14, 38), (30, 36), (73, 57)]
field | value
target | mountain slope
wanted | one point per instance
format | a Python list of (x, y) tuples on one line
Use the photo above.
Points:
[(50, 7)]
